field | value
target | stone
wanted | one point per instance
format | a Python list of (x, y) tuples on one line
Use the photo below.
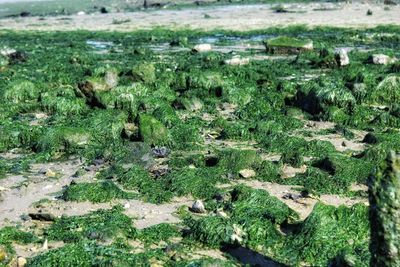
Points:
[(342, 58), (198, 207), (287, 45), (21, 262), (3, 254), (50, 173), (237, 235), (152, 131), (131, 131), (247, 173), (111, 78), (381, 59), (39, 216), (160, 152), (45, 245), (237, 61), (222, 214), (81, 13), (201, 48)]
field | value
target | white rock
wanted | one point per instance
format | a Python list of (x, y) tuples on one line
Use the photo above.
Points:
[(81, 13), (381, 59), (21, 262), (342, 58), (200, 48), (237, 61), (247, 173), (198, 207)]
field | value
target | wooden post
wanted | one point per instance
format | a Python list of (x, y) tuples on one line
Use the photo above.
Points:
[(384, 198)]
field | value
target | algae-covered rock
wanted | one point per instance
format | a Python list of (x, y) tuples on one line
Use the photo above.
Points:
[(21, 91), (384, 197), (3, 62), (387, 91), (103, 80), (152, 131), (144, 72), (287, 45), (3, 254)]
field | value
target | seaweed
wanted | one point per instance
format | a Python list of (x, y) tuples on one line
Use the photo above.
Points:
[(95, 192), (327, 233), (99, 225)]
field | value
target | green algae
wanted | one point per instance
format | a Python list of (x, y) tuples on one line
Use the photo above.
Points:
[(99, 225), (168, 99), (95, 192)]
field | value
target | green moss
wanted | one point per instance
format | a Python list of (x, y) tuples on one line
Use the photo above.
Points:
[(95, 192)]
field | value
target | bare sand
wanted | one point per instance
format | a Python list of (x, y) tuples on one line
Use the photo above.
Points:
[(233, 17)]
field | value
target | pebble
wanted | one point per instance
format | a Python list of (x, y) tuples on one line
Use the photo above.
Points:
[(198, 207), (21, 262)]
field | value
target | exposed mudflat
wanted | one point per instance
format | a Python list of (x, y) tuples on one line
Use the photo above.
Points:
[(240, 17)]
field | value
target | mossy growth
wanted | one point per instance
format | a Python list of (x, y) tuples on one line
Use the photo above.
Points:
[(292, 158), (101, 225), (250, 221), (152, 131), (329, 232), (387, 91), (144, 72), (150, 188), (87, 254), (333, 174), (157, 233), (284, 44), (99, 192), (234, 160), (21, 91)]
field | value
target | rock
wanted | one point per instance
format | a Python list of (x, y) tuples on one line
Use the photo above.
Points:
[(237, 235), (152, 131), (370, 138), (247, 173), (198, 207), (144, 72), (369, 12), (81, 13), (342, 58), (6, 52), (381, 59), (222, 214), (111, 78), (50, 173), (287, 45), (3, 254), (192, 104), (21, 262), (45, 245), (201, 48), (39, 216), (237, 61), (160, 152), (131, 131)]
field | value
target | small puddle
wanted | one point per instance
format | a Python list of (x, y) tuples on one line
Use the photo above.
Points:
[(99, 44)]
